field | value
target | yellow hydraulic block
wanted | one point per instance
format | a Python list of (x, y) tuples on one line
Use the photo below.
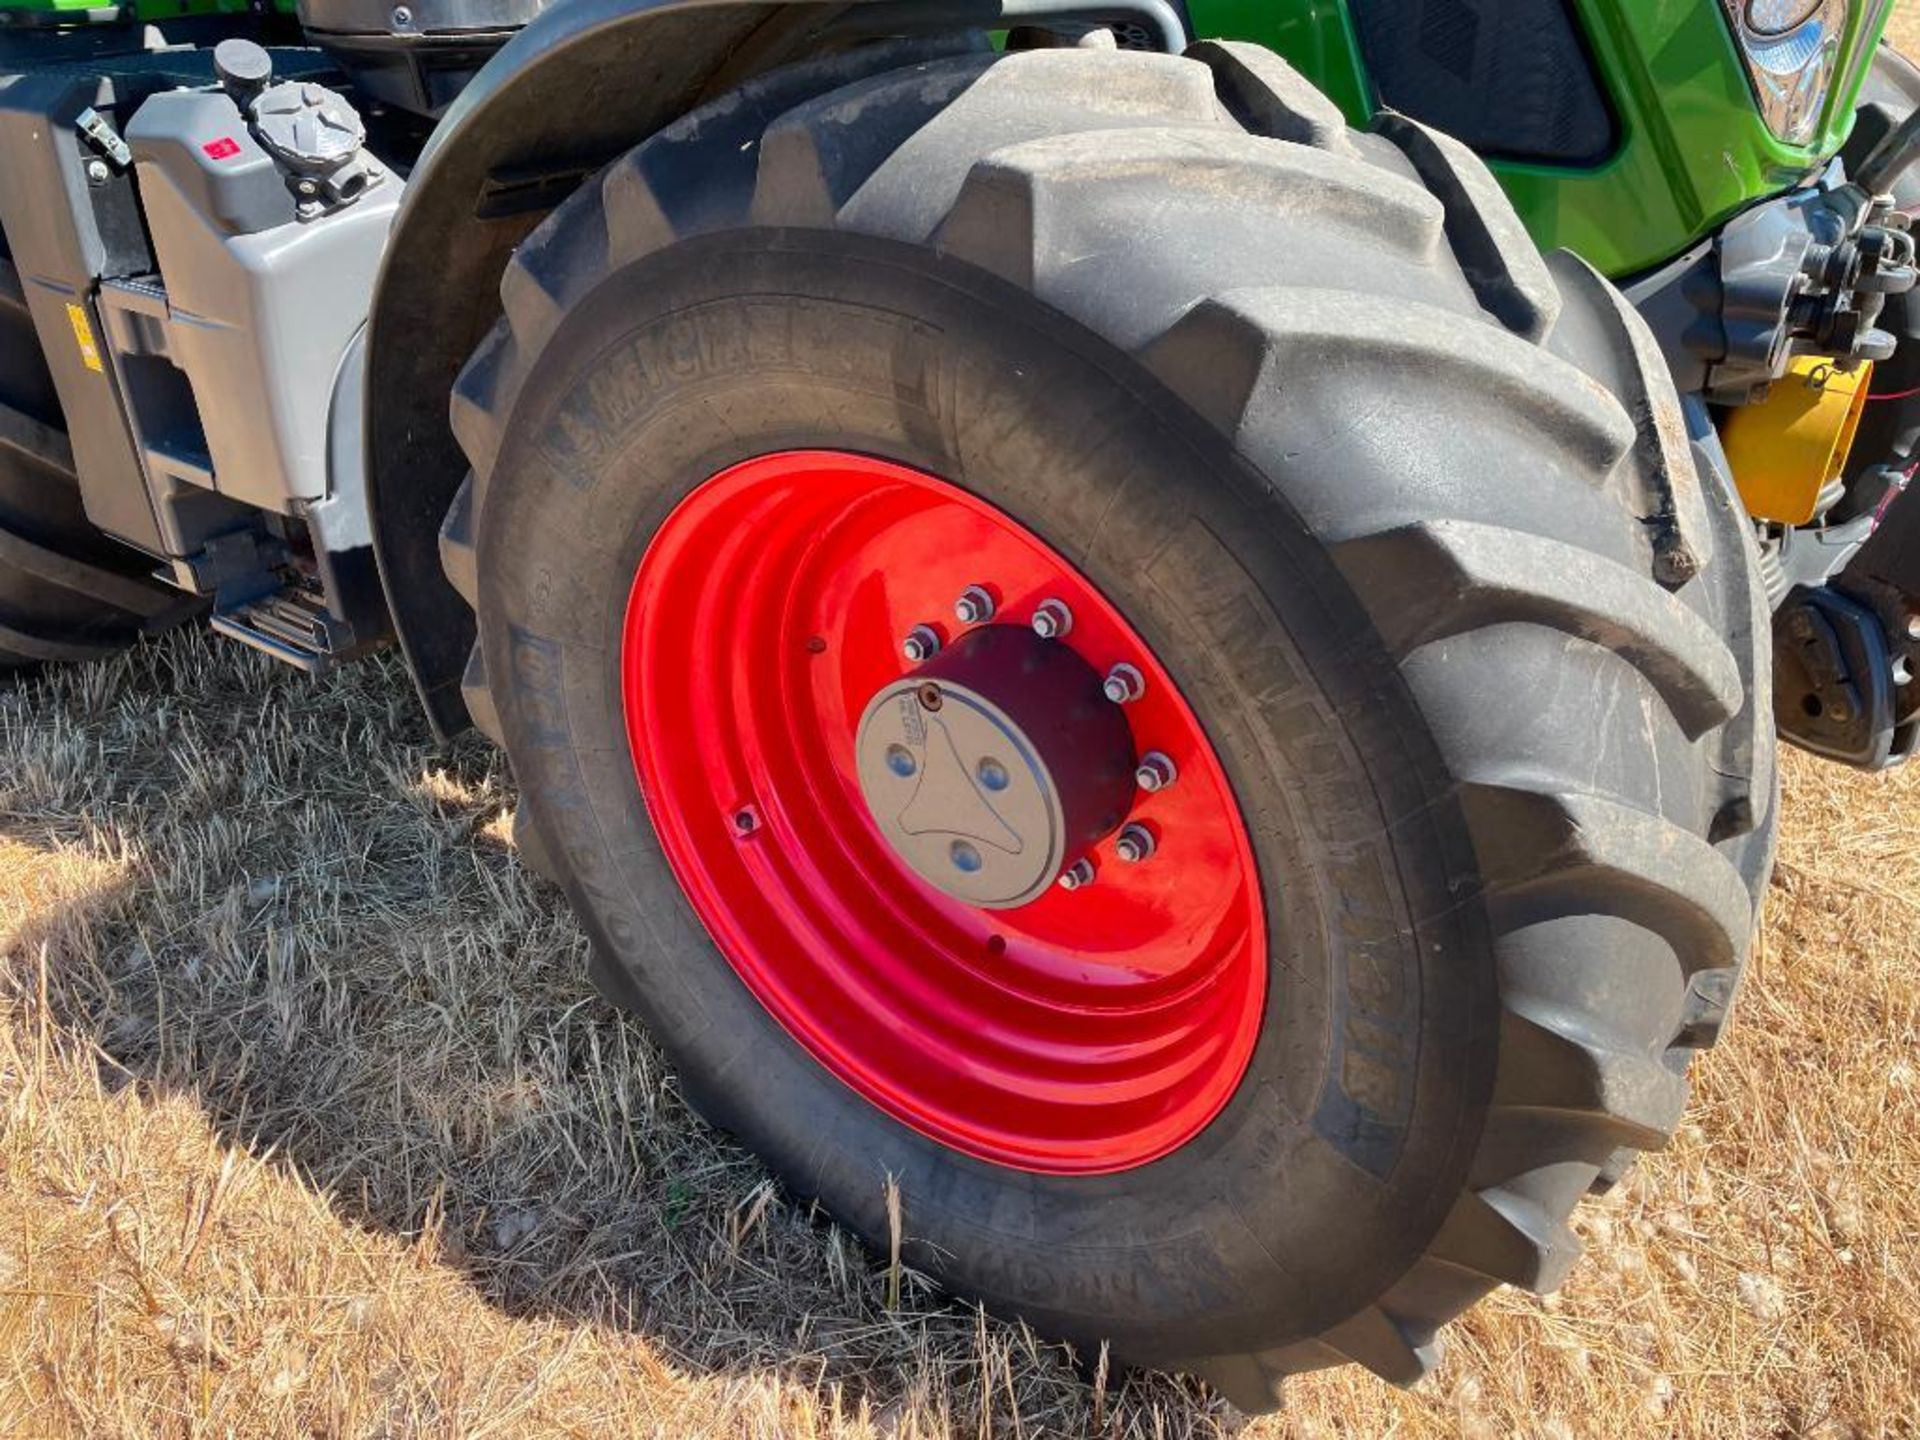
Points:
[(1792, 445)]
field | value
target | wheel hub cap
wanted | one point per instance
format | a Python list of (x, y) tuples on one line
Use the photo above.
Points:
[(990, 766)]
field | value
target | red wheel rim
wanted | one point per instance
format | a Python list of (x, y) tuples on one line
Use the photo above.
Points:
[(1087, 1031)]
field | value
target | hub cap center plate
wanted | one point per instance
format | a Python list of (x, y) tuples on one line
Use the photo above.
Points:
[(960, 792)]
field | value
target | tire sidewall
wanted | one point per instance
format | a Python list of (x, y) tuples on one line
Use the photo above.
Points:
[(1337, 1160)]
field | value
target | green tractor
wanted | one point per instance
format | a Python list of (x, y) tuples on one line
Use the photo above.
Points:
[(1149, 637)]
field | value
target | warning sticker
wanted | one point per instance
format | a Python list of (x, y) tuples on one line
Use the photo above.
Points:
[(83, 333)]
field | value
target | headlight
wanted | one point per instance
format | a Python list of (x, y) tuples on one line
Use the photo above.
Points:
[(1791, 48), (1771, 18)]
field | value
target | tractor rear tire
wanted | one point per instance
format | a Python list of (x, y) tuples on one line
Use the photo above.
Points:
[(67, 592), (1406, 512)]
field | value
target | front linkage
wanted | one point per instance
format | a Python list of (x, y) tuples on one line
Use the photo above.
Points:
[(1780, 319)]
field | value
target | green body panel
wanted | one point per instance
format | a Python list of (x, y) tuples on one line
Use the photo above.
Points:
[(1692, 147), (146, 11)]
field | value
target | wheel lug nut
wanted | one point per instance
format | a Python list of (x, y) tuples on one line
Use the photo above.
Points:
[(1134, 844), (1124, 684), (974, 607), (1076, 875), (1052, 619), (922, 643), (1156, 771)]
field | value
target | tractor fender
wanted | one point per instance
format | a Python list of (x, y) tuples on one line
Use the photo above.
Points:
[(583, 83), (580, 85)]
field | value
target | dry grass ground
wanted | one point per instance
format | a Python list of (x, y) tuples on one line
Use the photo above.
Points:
[(310, 1125)]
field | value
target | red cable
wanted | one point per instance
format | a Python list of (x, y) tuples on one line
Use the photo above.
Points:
[(1897, 394)]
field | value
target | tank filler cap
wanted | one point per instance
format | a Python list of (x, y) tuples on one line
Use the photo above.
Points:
[(308, 126), (317, 136), (244, 69)]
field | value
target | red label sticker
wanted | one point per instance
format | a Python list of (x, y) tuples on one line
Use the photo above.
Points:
[(225, 148)]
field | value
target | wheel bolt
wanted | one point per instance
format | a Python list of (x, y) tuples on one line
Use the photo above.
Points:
[(922, 644), (1076, 875), (1156, 771), (1124, 684), (1913, 626), (1134, 843), (1052, 619), (974, 607)]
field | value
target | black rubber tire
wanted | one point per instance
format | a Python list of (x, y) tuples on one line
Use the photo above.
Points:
[(67, 592), (1891, 91), (1408, 511)]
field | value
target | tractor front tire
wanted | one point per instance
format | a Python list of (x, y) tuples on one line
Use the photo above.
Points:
[(1398, 519)]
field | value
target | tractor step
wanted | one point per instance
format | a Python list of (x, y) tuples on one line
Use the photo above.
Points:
[(291, 626)]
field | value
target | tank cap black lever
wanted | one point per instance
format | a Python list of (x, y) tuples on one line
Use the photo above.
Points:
[(244, 69)]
